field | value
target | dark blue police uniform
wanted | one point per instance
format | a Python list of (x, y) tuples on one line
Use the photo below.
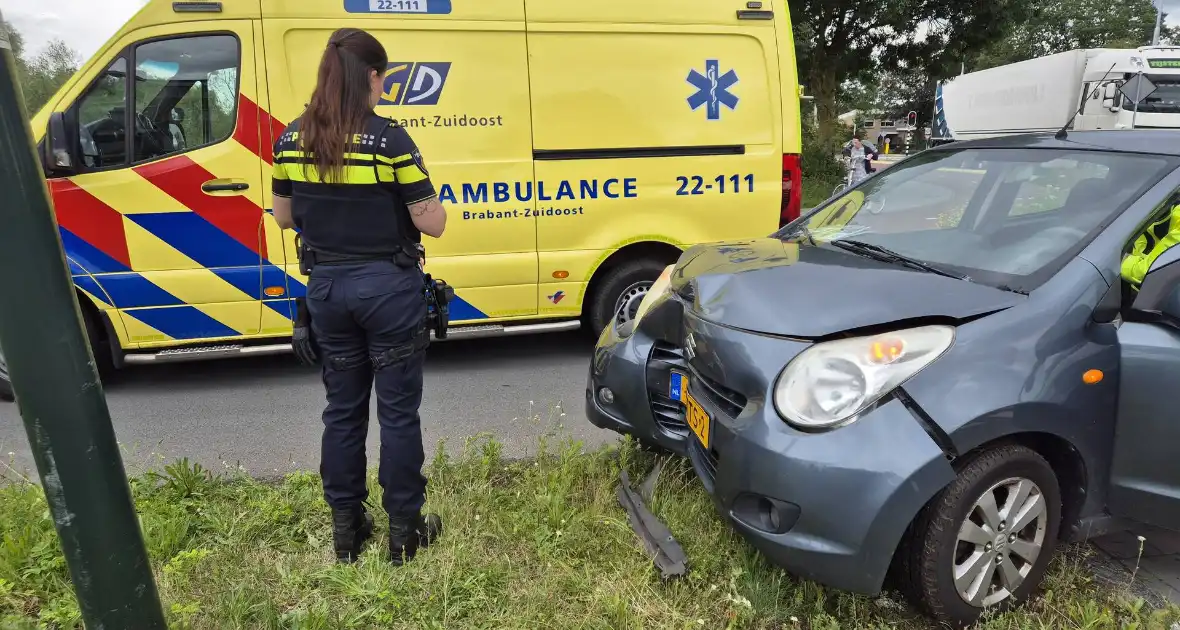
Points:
[(368, 311)]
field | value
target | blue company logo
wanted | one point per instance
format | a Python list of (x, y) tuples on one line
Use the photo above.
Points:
[(712, 89), (557, 297), (414, 83)]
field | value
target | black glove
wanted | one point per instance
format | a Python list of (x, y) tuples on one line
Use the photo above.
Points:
[(303, 340)]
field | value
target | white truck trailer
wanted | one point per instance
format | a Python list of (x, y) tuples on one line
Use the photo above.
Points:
[(1043, 94)]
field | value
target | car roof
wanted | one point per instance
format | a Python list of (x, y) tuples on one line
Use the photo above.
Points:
[(1155, 141)]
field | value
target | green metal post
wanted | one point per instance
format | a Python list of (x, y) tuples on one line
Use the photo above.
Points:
[(59, 393)]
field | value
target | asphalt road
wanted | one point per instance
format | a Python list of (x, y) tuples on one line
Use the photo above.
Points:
[(263, 413)]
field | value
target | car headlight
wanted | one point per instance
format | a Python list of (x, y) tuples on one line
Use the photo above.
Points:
[(658, 289), (830, 383)]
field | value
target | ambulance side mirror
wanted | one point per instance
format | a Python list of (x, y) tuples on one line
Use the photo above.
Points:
[(57, 155)]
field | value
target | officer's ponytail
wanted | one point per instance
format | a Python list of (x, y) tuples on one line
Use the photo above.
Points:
[(341, 102)]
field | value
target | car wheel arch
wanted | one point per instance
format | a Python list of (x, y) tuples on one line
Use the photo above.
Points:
[(1067, 462)]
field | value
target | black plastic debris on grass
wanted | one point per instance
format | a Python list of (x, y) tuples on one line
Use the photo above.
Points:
[(657, 540)]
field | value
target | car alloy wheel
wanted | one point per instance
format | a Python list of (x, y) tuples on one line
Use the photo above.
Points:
[(999, 542), (985, 541)]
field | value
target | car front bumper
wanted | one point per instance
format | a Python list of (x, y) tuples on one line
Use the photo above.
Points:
[(638, 384), (831, 505)]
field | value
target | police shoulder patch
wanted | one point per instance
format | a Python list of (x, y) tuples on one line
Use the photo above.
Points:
[(417, 155)]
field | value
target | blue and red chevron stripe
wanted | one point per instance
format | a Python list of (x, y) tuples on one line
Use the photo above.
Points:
[(222, 237)]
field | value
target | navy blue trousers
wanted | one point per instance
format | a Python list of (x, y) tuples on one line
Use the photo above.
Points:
[(359, 311)]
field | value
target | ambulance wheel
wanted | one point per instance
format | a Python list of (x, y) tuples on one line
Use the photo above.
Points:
[(100, 351), (100, 346), (618, 296), (5, 384)]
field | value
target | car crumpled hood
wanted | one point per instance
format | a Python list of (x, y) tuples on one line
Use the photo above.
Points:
[(784, 288)]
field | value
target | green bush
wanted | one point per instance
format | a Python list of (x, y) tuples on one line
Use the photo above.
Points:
[(819, 162)]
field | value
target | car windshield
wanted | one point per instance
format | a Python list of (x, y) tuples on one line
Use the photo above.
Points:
[(1009, 218)]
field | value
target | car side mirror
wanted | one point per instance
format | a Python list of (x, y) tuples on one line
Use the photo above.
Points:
[(1159, 294), (58, 157), (1170, 307)]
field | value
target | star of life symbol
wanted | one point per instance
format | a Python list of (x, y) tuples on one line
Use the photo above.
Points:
[(712, 89)]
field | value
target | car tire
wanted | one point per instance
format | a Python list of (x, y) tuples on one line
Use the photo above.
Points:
[(621, 291), (941, 545)]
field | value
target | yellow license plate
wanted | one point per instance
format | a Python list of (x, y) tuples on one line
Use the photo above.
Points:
[(697, 419)]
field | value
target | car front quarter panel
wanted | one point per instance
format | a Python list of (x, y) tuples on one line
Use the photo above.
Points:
[(1019, 372)]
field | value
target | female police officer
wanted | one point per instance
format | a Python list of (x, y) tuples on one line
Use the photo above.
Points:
[(356, 188)]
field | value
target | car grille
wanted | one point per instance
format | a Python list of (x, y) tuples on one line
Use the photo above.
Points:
[(666, 352), (704, 461), (728, 401), (668, 413)]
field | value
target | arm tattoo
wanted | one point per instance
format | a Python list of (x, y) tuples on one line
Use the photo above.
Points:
[(422, 207)]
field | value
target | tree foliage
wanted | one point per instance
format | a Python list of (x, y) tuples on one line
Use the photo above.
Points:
[(41, 74), (1061, 25), (842, 40), (1047, 27)]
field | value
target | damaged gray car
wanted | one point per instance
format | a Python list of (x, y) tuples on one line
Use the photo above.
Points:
[(936, 375)]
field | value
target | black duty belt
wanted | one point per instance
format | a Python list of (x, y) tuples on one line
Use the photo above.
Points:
[(323, 258)]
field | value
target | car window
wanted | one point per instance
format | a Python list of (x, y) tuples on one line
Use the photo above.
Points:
[(185, 94), (1164, 100), (1006, 217), (101, 119)]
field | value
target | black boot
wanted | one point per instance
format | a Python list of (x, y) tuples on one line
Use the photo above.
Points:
[(351, 527), (409, 534)]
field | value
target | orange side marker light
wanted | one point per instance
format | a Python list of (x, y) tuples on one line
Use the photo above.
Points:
[(1092, 377), (561, 274)]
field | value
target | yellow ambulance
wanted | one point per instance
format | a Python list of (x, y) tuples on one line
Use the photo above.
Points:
[(578, 147)]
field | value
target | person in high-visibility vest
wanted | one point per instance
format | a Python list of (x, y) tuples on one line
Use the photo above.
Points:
[(1155, 240)]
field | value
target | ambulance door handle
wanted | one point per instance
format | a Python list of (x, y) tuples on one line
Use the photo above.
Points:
[(755, 14), (754, 11), (224, 185)]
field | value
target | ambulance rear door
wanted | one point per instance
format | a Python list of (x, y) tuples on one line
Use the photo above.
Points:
[(652, 121)]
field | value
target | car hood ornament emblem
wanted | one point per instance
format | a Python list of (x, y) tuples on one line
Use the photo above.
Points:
[(690, 347)]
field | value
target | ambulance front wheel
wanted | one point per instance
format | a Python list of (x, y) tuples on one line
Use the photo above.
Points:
[(618, 296), (5, 384), (102, 357)]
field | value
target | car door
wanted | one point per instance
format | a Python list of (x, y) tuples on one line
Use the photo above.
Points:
[(1145, 471), (164, 213)]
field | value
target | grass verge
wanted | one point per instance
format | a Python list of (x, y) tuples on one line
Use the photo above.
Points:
[(816, 191), (529, 544)]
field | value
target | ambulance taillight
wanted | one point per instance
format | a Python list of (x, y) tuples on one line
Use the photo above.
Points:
[(792, 189)]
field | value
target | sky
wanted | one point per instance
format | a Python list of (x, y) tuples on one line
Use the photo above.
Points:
[(87, 24), (83, 24)]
